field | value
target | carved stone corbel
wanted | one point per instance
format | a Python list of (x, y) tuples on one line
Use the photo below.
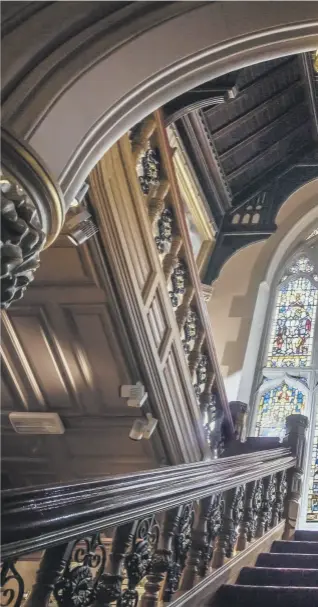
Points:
[(32, 215)]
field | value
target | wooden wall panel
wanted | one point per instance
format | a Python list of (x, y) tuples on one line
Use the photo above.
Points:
[(65, 350), (56, 262), (104, 367)]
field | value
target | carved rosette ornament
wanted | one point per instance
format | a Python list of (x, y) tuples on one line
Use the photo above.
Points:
[(148, 169), (190, 331), (32, 214), (164, 236), (178, 284)]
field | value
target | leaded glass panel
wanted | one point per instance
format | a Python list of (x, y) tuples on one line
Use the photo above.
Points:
[(291, 338), (312, 505), (275, 406), (301, 265), (314, 233)]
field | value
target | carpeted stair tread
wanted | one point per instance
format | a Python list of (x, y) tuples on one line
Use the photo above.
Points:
[(306, 535), (288, 561), (259, 576), (265, 596), (294, 547)]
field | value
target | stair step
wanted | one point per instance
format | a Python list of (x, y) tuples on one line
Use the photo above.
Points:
[(305, 535), (292, 547), (263, 596), (288, 561), (258, 576)]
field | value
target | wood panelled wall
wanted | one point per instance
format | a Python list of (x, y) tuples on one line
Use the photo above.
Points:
[(65, 349), (96, 317)]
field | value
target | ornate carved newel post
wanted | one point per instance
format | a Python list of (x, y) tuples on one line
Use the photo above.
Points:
[(296, 426), (239, 416), (32, 215)]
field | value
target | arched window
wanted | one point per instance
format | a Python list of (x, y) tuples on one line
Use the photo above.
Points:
[(289, 371)]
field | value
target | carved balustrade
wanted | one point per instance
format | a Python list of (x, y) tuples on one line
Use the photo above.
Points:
[(139, 539), (154, 167)]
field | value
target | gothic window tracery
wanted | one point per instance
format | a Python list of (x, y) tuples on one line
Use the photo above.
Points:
[(289, 375)]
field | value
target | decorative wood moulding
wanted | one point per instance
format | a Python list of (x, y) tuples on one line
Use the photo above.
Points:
[(137, 238), (32, 215), (171, 235), (193, 198)]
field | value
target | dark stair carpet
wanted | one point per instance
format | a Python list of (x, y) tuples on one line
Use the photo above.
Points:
[(288, 561), (266, 576), (287, 576), (306, 536), (295, 547)]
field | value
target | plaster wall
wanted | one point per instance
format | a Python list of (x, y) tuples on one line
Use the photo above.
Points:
[(235, 292)]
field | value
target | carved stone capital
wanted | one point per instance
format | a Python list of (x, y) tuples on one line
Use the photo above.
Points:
[(32, 215)]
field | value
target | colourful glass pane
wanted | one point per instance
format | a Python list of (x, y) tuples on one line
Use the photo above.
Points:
[(291, 338), (302, 265), (312, 504), (275, 406), (314, 233)]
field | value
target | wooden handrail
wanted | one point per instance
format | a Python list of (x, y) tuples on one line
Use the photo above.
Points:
[(35, 519)]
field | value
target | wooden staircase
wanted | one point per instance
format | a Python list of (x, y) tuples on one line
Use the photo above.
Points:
[(287, 576)]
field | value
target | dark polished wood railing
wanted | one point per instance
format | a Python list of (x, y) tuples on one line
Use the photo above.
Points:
[(142, 538)]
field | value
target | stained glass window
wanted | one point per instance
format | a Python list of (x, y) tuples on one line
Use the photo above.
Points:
[(314, 233), (301, 265), (291, 338), (312, 505), (291, 345), (275, 406)]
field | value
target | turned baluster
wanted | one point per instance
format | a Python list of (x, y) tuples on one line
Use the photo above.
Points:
[(172, 260), (161, 559), (265, 512), (226, 530), (231, 519), (109, 587), (157, 203), (247, 516), (183, 310), (278, 505), (50, 571), (196, 353), (199, 544)]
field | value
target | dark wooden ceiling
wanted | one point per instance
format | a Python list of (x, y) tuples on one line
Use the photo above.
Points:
[(252, 139)]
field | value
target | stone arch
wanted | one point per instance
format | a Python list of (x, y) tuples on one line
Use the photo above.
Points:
[(113, 81)]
